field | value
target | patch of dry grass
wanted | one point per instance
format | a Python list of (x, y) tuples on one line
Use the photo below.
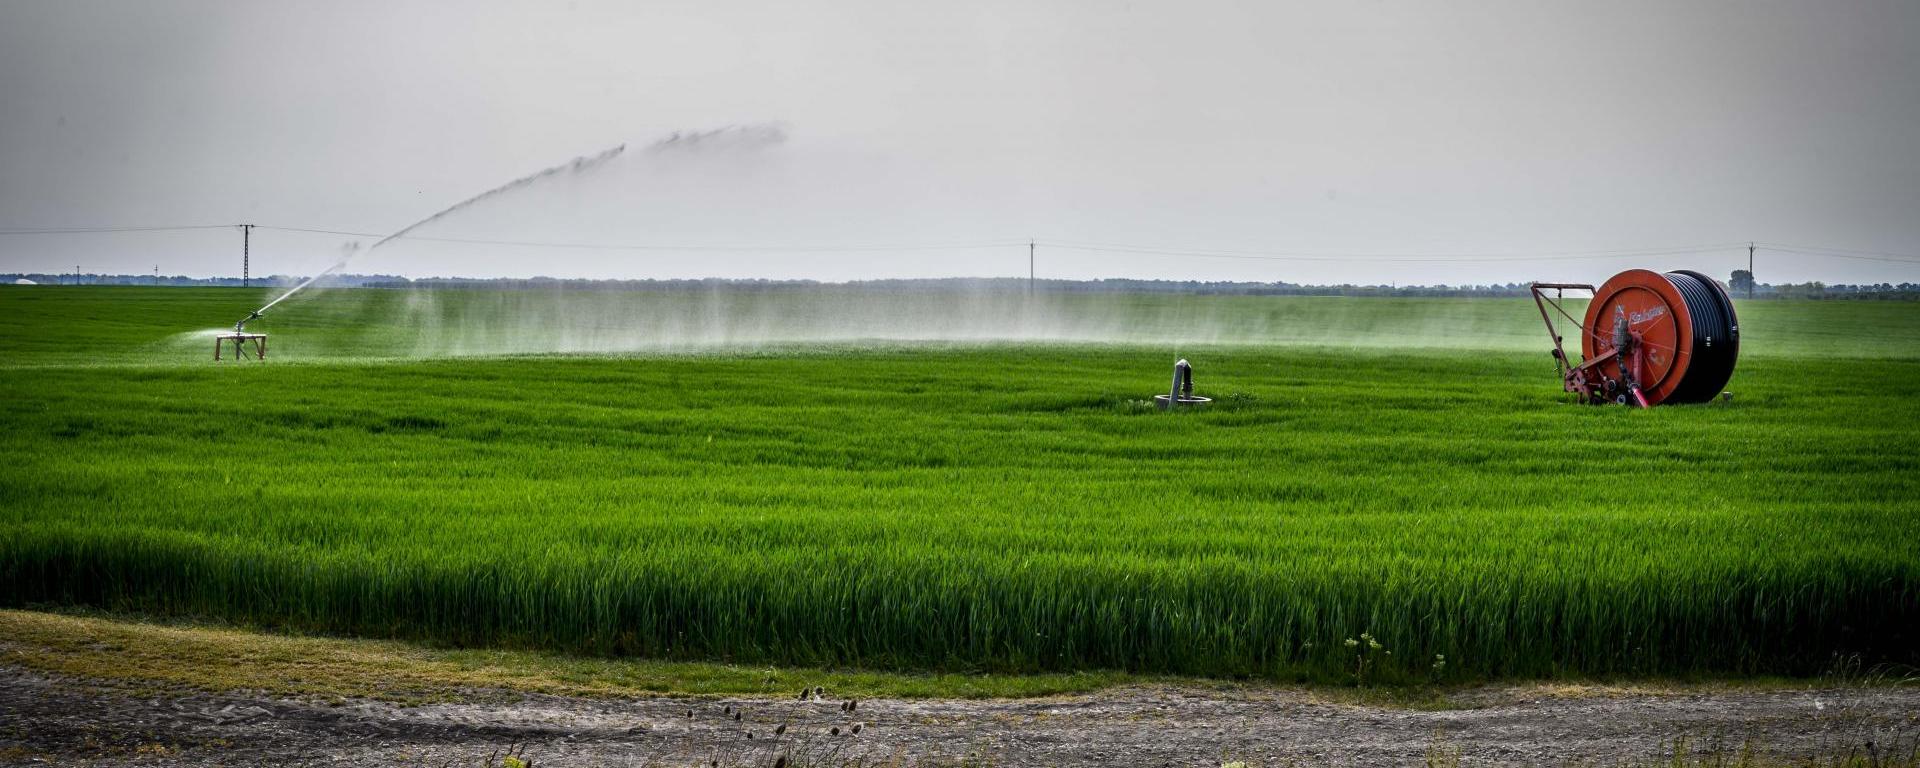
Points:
[(142, 654), (219, 659)]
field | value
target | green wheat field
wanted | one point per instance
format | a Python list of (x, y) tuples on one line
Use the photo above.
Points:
[(1406, 469)]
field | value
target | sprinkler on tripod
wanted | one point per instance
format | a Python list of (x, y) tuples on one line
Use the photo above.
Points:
[(240, 337)]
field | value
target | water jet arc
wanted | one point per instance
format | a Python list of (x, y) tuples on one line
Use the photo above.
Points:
[(576, 165)]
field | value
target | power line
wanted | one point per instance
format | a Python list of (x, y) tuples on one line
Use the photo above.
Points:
[(1437, 258), (96, 230), (660, 247), (1074, 245), (1064, 244), (1841, 253)]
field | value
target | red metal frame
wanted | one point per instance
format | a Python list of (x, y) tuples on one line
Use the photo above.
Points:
[(1588, 379)]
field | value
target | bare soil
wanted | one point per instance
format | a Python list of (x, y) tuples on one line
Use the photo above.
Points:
[(51, 719)]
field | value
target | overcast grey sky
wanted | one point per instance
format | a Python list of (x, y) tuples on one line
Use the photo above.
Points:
[(1329, 128)]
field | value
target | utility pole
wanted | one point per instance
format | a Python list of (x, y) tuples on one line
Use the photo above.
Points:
[(246, 253), (1029, 266), (1751, 280)]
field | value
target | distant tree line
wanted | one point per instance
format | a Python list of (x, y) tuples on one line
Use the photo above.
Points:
[(89, 278), (1741, 285)]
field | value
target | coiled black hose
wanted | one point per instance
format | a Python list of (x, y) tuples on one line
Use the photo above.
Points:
[(1716, 337)]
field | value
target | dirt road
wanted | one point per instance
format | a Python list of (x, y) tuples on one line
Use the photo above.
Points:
[(53, 720)]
